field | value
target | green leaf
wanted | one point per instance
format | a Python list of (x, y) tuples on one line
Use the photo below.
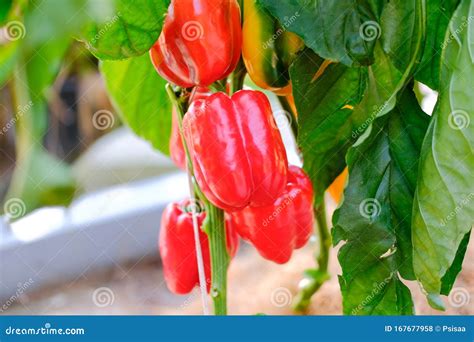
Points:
[(443, 212), (344, 31), (439, 13), (403, 30), (139, 96), (451, 274), (130, 29), (64, 19), (325, 124), (41, 179), (327, 128), (375, 216), (5, 6)]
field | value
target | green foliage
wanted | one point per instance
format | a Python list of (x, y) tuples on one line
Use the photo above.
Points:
[(43, 33), (439, 13), (325, 118), (344, 31), (375, 217), (140, 97), (328, 124), (5, 7), (443, 212), (407, 210), (129, 29)]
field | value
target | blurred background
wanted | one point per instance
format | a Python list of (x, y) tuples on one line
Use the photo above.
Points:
[(81, 195)]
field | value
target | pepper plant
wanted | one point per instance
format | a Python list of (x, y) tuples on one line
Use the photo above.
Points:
[(347, 73)]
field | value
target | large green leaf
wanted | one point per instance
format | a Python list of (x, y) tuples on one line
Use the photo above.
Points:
[(453, 271), (443, 212), (344, 31), (325, 117), (129, 29), (439, 13), (327, 128), (5, 6), (375, 217), (139, 95)]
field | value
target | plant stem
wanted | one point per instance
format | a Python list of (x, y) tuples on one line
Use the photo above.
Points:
[(237, 78), (293, 121), (214, 225), (315, 278), (324, 236), (215, 229)]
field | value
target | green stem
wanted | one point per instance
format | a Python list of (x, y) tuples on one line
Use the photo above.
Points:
[(215, 229), (214, 225), (25, 132), (237, 78), (293, 121), (315, 278)]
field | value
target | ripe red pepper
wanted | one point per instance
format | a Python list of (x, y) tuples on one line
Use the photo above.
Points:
[(287, 224), (200, 42), (236, 149), (177, 247), (177, 153)]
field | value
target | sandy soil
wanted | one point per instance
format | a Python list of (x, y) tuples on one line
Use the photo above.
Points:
[(255, 286)]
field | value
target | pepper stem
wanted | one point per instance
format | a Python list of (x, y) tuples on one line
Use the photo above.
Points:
[(215, 229), (315, 278), (214, 225), (237, 77)]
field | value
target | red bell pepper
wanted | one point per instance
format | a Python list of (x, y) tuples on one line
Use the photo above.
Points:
[(277, 229), (177, 247), (177, 152), (236, 149), (200, 42)]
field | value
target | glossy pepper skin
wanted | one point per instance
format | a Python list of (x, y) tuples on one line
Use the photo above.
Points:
[(177, 247), (268, 49), (236, 149), (200, 42), (177, 152), (287, 224)]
